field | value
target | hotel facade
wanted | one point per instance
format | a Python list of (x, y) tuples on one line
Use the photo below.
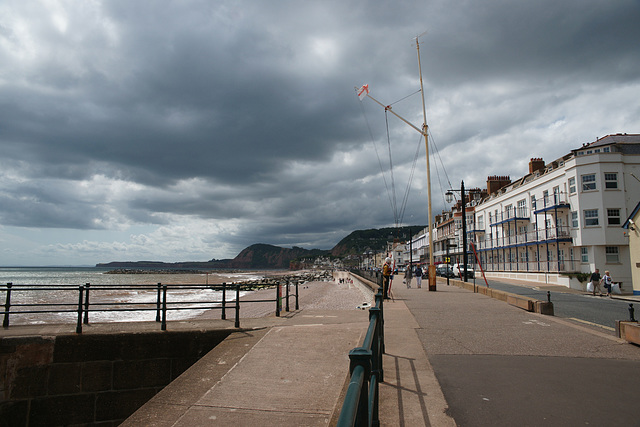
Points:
[(564, 217)]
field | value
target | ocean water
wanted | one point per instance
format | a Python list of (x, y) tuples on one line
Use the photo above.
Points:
[(68, 279)]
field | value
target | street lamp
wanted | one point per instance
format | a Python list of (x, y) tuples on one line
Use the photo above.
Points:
[(448, 259), (449, 199)]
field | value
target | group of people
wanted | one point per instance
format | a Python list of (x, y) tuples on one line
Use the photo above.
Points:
[(388, 272), (410, 273), (605, 280)]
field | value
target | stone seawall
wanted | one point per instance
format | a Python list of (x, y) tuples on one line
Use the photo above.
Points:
[(92, 379)]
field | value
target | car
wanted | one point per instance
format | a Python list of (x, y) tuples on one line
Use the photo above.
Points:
[(444, 270), (458, 270)]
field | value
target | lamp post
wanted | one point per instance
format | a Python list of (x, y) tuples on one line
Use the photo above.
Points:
[(449, 199), (448, 259)]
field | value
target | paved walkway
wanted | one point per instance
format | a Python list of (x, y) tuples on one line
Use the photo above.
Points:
[(502, 366), (453, 357)]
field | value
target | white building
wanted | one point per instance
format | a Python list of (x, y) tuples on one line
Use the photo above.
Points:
[(563, 217), (419, 247)]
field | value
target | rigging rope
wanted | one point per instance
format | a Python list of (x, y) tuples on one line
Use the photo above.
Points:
[(411, 175), (384, 179), (393, 184), (408, 96)]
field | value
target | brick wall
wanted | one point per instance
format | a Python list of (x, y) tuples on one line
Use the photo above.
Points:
[(93, 379)]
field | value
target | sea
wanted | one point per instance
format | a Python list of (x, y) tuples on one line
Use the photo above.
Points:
[(70, 278)]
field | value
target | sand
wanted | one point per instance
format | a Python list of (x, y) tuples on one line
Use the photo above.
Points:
[(312, 295)]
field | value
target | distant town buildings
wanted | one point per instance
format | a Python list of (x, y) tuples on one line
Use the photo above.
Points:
[(562, 218)]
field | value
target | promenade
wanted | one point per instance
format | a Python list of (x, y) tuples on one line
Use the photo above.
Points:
[(453, 357), (499, 365)]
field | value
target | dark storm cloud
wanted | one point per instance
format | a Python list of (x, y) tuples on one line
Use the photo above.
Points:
[(242, 115)]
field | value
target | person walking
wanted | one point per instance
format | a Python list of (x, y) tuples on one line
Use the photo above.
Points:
[(595, 282), (608, 282), (386, 275), (408, 277), (418, 274)]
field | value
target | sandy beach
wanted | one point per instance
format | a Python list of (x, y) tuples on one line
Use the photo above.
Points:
[(331, 295)]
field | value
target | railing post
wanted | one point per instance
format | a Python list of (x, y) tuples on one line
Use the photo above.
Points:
[(297, 305), (79, 325), (378, 343), (360, 356), (7, 306), (287, 295), (86, 305), (158, 302), (223, 316), (237, 324), (278, 299), (379, 298), (163, 326)]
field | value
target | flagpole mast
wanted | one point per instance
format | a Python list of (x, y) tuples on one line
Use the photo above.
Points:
[(363, 92), (425, 132)]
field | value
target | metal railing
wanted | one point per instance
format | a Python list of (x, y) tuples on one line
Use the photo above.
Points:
[(540, 236), (360, 406), (160, 304)]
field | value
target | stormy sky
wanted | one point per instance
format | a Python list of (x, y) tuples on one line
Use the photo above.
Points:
[(188, 130)]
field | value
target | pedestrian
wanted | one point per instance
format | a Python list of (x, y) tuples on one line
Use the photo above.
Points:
[(608, 282), (595, 282), (407, 277), (418, 274), (386, 277)]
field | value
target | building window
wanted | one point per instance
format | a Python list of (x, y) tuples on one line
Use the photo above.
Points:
[(613, 216), (584, 254), (574, 219), (572, 185), (481, 222), (533, 202), (522, 209), (590, 217), (509, 212), (612, 254), (611, 181), (589, 182)]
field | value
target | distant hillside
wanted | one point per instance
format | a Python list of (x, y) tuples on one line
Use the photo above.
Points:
[(257, 256), (263, 256), (373, 239)]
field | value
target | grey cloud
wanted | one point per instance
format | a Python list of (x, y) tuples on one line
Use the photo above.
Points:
[(243, 110)]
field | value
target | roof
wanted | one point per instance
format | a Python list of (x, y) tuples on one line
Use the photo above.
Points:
[(618, 138)]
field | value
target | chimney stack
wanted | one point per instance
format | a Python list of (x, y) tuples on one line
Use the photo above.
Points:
[(535, 164), (495, 183)]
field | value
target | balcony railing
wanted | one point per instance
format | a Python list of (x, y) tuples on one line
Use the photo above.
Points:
[(542, 266), (532, 237), (553, 201), (510, 215)]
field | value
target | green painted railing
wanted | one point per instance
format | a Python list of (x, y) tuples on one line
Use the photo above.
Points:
[(156, 299), (360, 406)]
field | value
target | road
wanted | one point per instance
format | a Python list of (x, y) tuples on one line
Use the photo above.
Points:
[(570, 304)]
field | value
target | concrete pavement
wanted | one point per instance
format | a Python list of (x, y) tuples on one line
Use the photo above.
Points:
[(453, 357), (502, 366)]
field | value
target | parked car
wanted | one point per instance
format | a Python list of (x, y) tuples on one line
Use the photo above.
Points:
[(444, 270), (458, 270)]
